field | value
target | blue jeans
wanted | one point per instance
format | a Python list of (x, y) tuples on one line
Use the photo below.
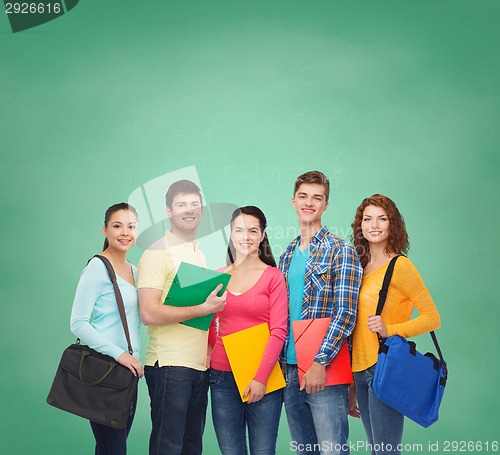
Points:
[(109, 441), (178, 409), (231, 417), (383, 425), (318, 421)]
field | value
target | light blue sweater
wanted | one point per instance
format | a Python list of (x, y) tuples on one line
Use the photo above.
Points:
[(95, 318)]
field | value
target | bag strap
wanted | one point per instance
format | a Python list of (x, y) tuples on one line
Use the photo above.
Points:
[(440, 354), (119, 299), (382, 296)]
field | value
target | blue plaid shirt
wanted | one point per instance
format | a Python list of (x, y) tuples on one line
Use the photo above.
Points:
[(331, 288)]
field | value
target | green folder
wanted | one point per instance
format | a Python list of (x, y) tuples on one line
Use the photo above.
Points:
[(191, 286)]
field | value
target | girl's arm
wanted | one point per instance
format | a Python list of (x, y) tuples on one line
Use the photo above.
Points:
[(90, 287), (278, 320), (409, 281)]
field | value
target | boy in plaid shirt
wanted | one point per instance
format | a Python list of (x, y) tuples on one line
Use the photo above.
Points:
[(323, 276)]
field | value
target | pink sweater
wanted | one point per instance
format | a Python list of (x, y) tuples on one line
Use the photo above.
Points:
[(267, 302)]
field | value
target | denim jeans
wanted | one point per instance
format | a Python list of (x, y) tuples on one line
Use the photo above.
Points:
[(318, 421), (178, 409), (109, 441), (383, 425), (231, 417)]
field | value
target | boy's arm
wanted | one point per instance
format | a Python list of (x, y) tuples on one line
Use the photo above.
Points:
[(153, 312), (155, 271), (347, 274)]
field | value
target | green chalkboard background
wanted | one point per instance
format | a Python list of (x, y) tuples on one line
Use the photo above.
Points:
[(396, 97)]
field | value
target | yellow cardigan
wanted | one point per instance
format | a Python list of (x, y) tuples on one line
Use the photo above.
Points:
[(406, 291)]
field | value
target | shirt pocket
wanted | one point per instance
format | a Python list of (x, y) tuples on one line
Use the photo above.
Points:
[(321, 277)]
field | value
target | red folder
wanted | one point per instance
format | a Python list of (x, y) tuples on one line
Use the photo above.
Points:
[(309, 335)]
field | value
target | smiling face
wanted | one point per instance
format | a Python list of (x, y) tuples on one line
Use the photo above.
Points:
[(375, 225), (185, 213), (309, 203), (121, 230), (246, 235)]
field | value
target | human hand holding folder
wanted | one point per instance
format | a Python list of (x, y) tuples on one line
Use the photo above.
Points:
[(309, 335), (194, 285), (244, 350), (255, 391), (314, 379), (214, 302)]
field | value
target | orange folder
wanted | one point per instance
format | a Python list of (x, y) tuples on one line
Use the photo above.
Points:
[(309, 335), (245, 350)]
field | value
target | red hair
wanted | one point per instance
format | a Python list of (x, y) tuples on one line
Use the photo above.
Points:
[(398, 237)]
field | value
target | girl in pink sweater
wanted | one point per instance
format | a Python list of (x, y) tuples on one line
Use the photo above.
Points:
[(256, 294)]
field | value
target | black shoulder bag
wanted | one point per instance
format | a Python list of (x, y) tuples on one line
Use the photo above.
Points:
[(405, 379), (93, 385)]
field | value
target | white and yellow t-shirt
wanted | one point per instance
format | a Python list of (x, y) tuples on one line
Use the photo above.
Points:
[(172, 344)]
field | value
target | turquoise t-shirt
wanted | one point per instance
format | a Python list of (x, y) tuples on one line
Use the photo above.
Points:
[(296, 279)]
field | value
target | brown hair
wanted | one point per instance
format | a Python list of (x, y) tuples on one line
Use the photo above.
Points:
[(313, 177), (398, 237)]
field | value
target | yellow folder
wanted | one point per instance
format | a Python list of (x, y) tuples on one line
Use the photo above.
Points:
[(245, 350)]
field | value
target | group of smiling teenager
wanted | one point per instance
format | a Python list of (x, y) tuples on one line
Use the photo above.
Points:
[(319, 275)]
